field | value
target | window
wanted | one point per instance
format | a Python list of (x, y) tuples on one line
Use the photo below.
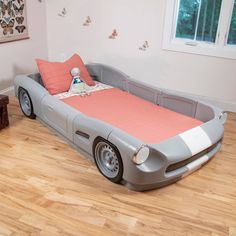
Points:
[(198, 20), (205, 27), (232, 31)]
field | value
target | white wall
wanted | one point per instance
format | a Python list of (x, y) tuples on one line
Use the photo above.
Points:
[(137, 21), (19, 57)]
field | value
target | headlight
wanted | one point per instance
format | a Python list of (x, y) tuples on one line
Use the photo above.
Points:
[(141, 155), (223, 117)]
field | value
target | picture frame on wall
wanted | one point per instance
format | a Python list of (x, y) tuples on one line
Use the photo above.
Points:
[(13, 20)]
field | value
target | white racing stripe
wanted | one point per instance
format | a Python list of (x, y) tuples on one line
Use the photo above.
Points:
[(196, 139)]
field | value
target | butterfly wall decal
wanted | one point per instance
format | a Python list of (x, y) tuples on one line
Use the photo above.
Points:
[(63, 12), (88, 21), (114, 34), (20, 19), (8, 27), (145, 46), (20, 28), (18, 10)]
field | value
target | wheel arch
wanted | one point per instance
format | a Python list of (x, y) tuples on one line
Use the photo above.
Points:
[(101, 139), (32, 114), (34, 89)]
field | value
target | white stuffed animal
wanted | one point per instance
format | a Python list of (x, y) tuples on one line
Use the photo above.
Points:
[(77, 85)]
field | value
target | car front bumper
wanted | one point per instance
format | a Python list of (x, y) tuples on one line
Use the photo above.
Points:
[(164, 175), (172, 159)]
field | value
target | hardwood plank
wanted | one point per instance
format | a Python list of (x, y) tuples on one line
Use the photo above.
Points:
[(48, 188)]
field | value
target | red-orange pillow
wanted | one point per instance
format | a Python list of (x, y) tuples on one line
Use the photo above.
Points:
[(56, 75)]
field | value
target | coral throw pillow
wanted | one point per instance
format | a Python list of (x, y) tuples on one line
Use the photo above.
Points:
[(56, 75)]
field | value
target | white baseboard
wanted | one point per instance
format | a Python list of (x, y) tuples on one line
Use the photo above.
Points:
[(8, 91)]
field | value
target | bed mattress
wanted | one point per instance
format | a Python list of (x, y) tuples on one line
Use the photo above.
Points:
[(139, 118)]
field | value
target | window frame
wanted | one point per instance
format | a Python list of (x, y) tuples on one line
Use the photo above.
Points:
[(229, 24), (218, 49)]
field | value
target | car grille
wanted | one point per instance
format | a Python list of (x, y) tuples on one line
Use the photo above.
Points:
[(185, 162)]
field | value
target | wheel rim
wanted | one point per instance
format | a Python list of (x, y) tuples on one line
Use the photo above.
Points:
[(25, 103), (107, 160)]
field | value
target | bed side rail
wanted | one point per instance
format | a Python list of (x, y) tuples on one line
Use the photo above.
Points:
[(108, 75), (118, 79), (174, 101)]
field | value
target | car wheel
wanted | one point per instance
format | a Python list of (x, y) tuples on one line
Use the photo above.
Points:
[(26, 103), (108, 160)]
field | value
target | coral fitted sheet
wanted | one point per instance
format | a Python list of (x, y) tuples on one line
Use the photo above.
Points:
[(141, 119)]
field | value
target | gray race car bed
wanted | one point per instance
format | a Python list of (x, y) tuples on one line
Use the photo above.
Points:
[(140, 136)]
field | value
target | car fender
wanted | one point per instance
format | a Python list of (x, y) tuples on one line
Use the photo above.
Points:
[(87, 129), (35, 90)]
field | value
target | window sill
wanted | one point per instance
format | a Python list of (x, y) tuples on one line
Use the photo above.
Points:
[(199, 48)]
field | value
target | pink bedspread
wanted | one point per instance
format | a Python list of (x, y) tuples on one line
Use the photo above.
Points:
[(139, 118)]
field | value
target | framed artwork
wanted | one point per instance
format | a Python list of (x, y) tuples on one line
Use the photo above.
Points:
[(13, 20)]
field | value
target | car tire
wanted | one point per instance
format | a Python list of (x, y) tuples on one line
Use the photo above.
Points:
[(108, 160), (26, 103)]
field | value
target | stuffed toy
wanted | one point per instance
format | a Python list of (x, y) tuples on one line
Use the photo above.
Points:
[(77, 85)]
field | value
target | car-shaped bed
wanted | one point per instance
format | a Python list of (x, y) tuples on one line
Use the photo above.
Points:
[(140, 136)]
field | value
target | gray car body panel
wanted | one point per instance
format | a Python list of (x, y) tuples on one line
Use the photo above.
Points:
[(69, 122)]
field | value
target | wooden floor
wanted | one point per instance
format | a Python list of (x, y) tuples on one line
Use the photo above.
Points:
[(47, 188)]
